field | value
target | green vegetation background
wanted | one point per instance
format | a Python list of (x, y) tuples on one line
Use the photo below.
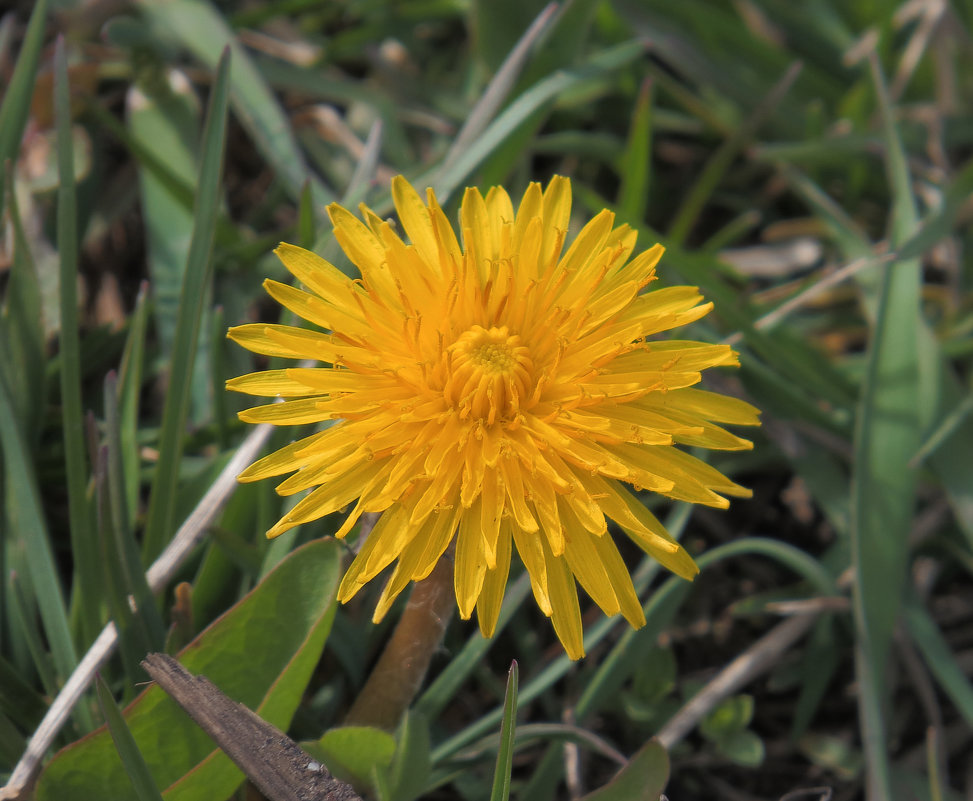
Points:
[(806, 164)]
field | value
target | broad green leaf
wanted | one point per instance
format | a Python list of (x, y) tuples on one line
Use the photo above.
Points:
[(249, 655), (643, 778), (351, 753)]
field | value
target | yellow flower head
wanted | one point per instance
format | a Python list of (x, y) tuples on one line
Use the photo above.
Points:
[(500, 393)]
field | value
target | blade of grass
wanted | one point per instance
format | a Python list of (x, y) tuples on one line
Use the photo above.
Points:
[(12, 742), (26, 518), (128, 750), (614, 669), (635, 164), (129, 390), (939, 658), (534, 98), (133, 645), (187, 538), (123, 543), (883, 485), (218, 374), (501, 775), (165, 120), (658, 610), (701, 191), (23, 616), (204, 32), (199, 269), (22, 324), (498, 88), (444, 688), (16, 98), (83, 543), (946, 428), (18, 699)]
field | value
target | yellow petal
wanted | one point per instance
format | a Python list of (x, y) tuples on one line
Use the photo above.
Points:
[(494, 584), (415, 220), (565, 612), (316, 274), (470, 566)]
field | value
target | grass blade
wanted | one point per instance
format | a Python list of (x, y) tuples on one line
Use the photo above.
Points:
[(22, 346), (129, 388), (701, 191), (498, 89), (939, 658), (501, 775), (204, 32), (635, 165), (199, 269), (135, 767), (83, 543), (883, 485), (541, 93), (122, 542), (16, 98)]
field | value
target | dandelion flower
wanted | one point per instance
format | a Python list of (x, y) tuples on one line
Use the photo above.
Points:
[(497, 392)]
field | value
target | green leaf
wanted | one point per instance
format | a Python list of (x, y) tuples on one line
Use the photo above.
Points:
[(501, 774), (128, 751), (18, 699), (731, 715), (643, 778), (129, 389), (164, 119), (635, 165), (249, 655), (743, 747), (22, 351), (197, 276), (526, 104), (351, 753), (24, 513), (940, 659), (412, 763), (83, 543), (15, 108), (883, 483)]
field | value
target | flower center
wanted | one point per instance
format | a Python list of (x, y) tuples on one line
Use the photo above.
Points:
[(490, 374)]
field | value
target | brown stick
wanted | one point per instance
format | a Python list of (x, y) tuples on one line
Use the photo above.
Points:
[(269, 758)]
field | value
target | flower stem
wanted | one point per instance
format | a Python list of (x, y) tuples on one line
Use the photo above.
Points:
[(398, 674)]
